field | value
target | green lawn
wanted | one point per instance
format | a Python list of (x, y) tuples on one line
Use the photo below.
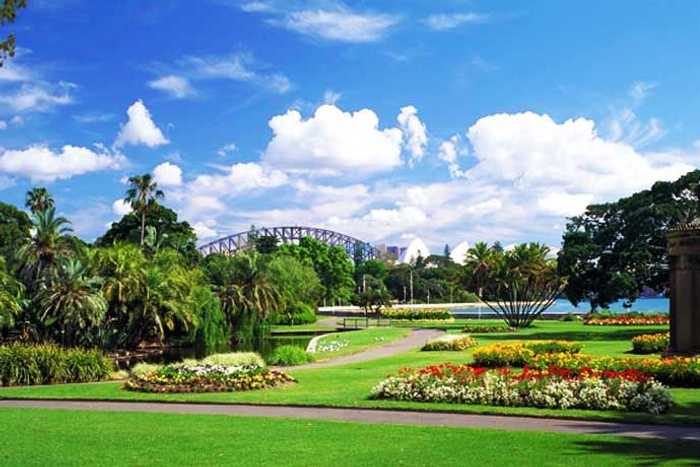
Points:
[(61, 437), (349, 385)]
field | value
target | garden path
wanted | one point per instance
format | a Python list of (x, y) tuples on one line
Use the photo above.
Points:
[(398, 417), (417, 338)]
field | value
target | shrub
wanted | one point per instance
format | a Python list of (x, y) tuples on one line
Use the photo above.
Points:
[(22, 364), (450, 342), (213, 329), (571, 317), (299, 313), (551, 388), (207, 378), (142, 369), (651, 343), (486, 329), (418, 314), (674, 371), (290, 355), (519, 354), (233, 359)]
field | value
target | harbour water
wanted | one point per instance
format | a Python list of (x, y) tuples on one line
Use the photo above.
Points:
[(563, 306)]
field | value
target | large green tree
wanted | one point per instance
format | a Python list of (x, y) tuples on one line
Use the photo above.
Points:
[(613, 250), (14, 229), (169, 231)]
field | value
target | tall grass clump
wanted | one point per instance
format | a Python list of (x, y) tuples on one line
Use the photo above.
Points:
[(25, 365), (234, 359)]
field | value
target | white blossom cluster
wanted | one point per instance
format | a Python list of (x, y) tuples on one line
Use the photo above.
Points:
[(561, 393)]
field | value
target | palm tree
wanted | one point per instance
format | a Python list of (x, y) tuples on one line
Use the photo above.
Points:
[(142, 194), (39, 257), (478, 262), (74, 300), (39, 199), (250, 296)]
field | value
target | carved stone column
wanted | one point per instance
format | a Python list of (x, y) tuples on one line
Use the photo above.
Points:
[(684, 258)]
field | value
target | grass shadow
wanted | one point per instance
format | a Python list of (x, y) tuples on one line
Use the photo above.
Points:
[(645, 452)]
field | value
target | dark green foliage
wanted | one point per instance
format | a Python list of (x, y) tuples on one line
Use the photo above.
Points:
[(8, 14), (14, 229), (373, 295), (170, 233), (613, 250), (298, 313), (266, 244), (212, 330), (290, 355), (47, 364)]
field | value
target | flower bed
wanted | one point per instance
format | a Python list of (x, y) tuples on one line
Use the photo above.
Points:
[(418, 314), (550, 388), (486, 329), (674, 371), (519, 354), (206, 378), (628, 321), (651, 343), (22, 364), (450, 342)]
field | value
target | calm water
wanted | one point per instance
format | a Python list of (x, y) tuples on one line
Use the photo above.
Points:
[(562, 306)]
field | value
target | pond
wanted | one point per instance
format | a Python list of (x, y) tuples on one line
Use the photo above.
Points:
[(264, 346)]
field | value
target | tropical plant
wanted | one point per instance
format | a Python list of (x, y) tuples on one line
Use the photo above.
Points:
[(522, 283), (142, 194), (373, 296), (73, 301), (478, 262), (39, 258), (14, 229), (39, 199), (11, 297)]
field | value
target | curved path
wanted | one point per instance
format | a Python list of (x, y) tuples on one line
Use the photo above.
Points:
[(397, 417), (417, 338)]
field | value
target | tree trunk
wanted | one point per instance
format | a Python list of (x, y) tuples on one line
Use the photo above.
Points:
[(143, 226)]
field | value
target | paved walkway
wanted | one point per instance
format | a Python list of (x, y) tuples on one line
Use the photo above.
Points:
[(417, 338), (380, 416)]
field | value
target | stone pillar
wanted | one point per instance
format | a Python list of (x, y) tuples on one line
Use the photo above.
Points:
[(684, 258)]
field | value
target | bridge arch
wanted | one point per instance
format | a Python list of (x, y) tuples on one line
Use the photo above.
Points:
[(289, 234)]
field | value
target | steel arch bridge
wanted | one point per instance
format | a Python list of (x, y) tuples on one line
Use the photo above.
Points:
[(245, 240)]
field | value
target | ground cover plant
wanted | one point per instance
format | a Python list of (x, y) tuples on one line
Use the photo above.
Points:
[(450, 342), (520, 353), (290, 355), (417, 314), (48, 437), (22, 364), (554, 387), (651, 343)]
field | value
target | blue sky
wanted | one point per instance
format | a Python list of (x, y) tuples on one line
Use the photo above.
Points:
[(446, 120)]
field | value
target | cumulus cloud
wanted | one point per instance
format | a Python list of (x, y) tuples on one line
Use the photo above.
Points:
[(333, 141), (175, 86), (443, 22), (414, 131), (121, 208), (238, 178), (204, 231), (449, 151), (140, 128), (37, 97), (167, 175), (41, 164)]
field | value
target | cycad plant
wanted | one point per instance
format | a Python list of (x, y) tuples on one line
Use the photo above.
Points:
[(73, 301)]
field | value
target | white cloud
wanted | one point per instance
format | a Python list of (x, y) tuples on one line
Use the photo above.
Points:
[(13, 72), (41, 164), (140, 128), (443, 22), (333, 141), (415, 133), (226, 149), (338, 24), (175, 86), (121, 208), (256, 7), (167, 175), (37, 98), (449, 151), (3, 125), (238, 178), (236, 67), (564, 204), (331, 97), (204, 231)]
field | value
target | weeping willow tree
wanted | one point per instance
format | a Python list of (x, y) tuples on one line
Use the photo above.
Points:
[(522, 283)]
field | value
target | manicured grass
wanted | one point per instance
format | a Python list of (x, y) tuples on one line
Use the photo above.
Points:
[(350, 385), (62, 437), (357, 341)]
